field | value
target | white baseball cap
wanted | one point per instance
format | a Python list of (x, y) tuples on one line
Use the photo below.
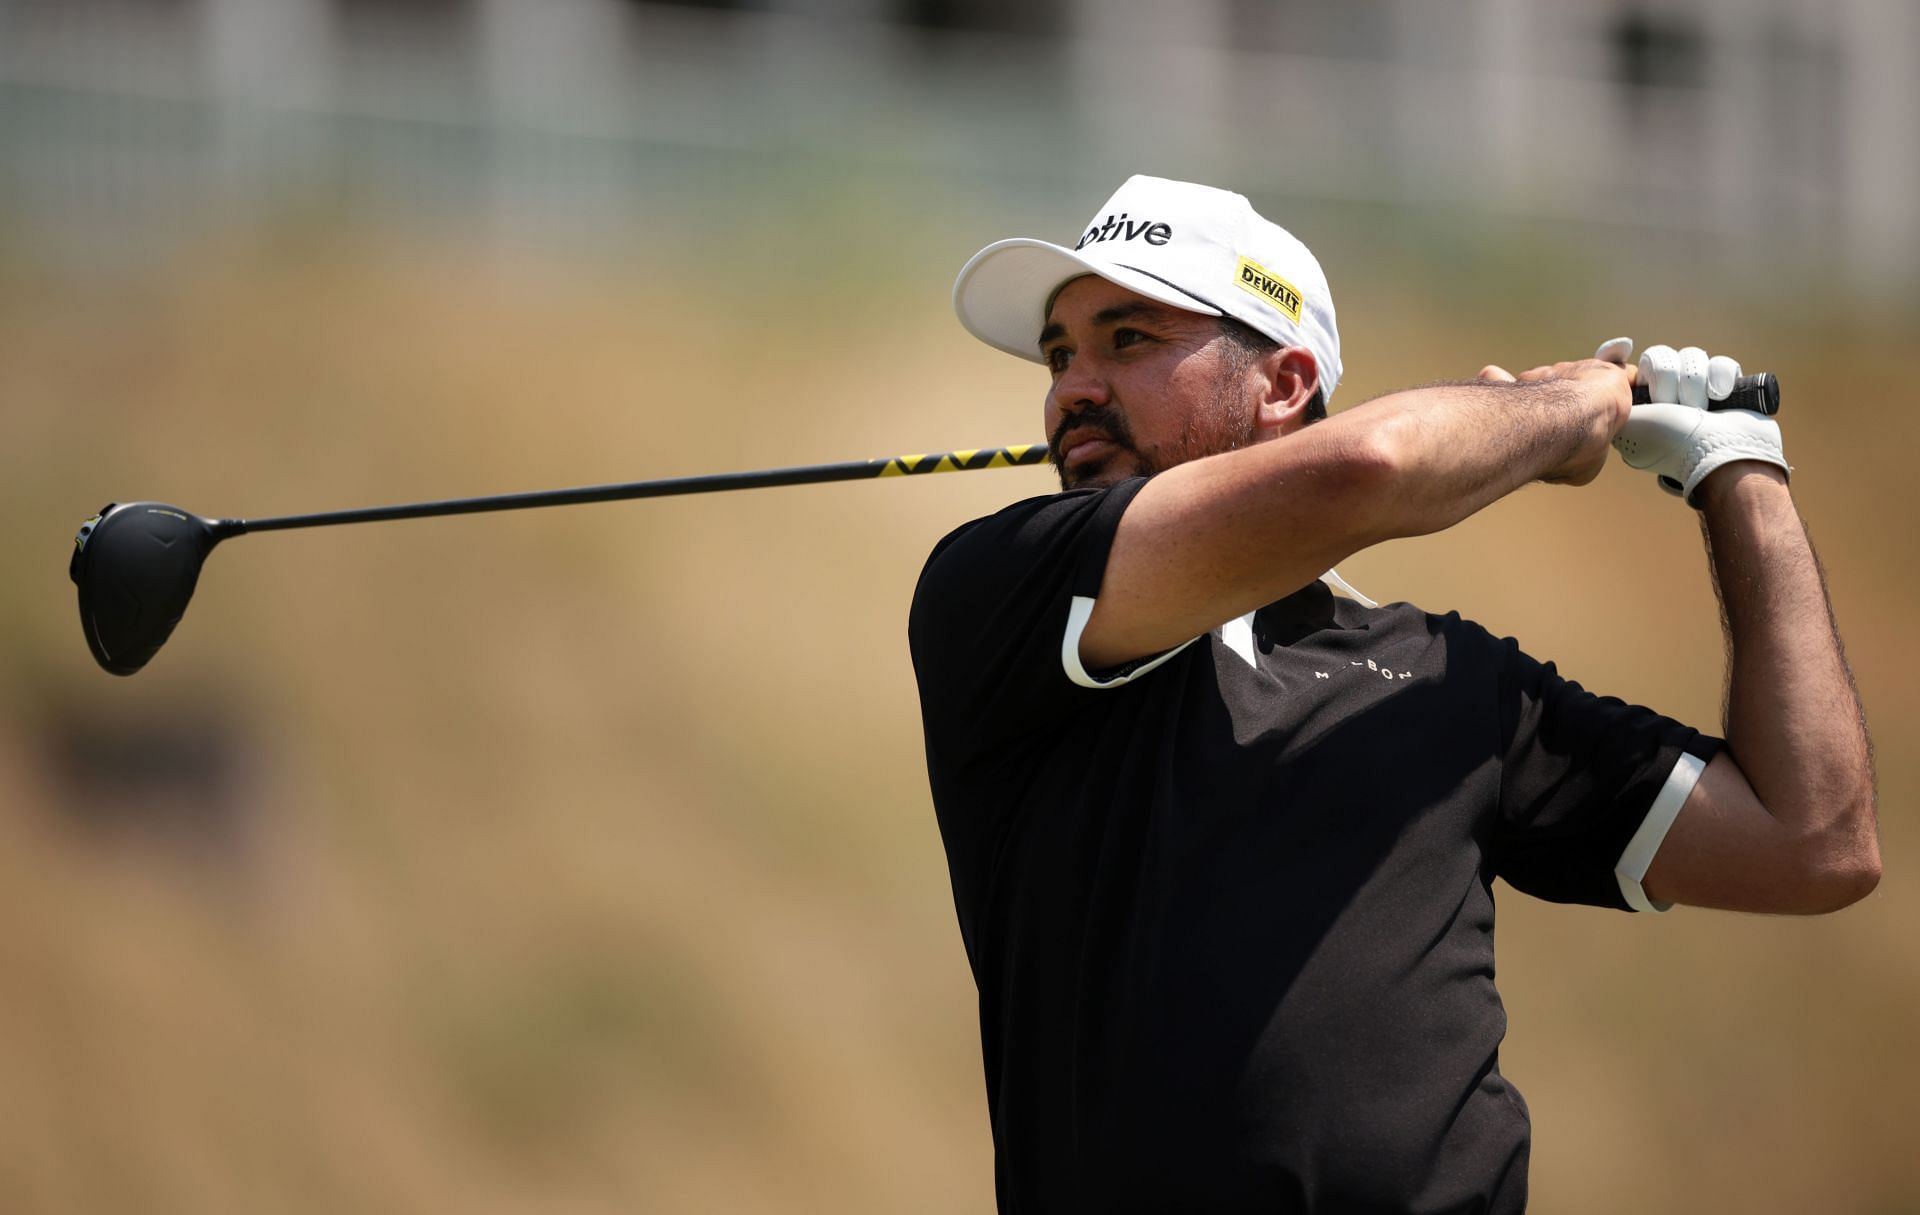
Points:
[(1191, 246)]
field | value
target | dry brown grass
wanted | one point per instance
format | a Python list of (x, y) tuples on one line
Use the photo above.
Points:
[(583, 859)]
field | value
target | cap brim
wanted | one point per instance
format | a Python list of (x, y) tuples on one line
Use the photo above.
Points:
[(1003, 291)]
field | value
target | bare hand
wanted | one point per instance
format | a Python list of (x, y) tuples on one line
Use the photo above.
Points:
[(1601, 389)]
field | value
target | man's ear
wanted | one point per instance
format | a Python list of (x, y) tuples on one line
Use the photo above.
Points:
[(1289, 378)]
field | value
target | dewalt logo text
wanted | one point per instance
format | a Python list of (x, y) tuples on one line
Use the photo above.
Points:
[(1270, 287)]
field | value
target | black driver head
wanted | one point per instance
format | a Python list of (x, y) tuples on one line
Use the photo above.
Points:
[(136, 565)]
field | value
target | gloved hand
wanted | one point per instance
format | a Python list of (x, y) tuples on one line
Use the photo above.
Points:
[(1676, 436)]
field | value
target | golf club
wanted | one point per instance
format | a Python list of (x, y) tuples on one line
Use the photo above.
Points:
[(136, 563)]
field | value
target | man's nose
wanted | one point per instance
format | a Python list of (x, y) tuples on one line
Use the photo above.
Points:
[(1080, 386)]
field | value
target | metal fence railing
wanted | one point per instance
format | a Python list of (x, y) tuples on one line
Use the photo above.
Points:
[(149, 121)]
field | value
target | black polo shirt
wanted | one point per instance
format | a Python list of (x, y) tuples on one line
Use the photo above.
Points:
[(1231, 911)]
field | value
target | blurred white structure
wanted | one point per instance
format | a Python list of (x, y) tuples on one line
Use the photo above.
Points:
[(1786, 124)]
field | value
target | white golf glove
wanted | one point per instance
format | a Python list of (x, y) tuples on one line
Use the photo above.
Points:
[(1676, 437)]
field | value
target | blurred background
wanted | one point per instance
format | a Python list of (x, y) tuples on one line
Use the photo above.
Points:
[(582, 860)]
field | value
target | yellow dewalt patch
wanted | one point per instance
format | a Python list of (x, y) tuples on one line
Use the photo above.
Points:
[(1270, 287)]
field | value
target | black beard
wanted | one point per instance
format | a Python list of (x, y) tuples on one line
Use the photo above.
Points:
[(1219, 431)]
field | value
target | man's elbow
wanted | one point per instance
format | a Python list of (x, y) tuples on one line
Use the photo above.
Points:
[(1856, 877), (1369, 478), (1844, 867), (1839, 886)]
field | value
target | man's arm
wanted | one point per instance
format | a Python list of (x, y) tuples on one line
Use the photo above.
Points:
[(1215, 538), (1784, 820)]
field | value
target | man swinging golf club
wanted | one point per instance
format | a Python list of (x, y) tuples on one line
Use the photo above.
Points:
[(1222, 844)]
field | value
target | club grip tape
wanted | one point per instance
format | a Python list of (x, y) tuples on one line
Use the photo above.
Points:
[(1759, 392)]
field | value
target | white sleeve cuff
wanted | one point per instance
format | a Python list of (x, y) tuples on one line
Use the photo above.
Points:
[(1631, 869), (1078, 613)]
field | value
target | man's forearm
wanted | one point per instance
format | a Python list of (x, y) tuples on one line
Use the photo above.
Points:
[(1793, 720), (1457, 448)]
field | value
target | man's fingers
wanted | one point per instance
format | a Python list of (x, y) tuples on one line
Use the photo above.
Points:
[(1692, 376), (1554, 371), (1687, 376), (1660, 372)]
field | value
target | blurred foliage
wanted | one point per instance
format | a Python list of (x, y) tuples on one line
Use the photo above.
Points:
[(581, 860)]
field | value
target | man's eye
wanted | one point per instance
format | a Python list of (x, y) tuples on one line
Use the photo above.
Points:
[(1127, 337), (1057, 359)]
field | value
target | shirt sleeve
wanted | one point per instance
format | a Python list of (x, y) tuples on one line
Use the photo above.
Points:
[(1588, 786), (997, 616)]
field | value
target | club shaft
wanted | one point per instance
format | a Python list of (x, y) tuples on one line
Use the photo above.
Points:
[(808, 474)]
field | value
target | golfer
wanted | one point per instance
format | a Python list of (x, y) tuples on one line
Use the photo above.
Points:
[(1222, 842)]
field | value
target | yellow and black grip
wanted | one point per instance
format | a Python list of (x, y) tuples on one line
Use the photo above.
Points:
[(963, 461)]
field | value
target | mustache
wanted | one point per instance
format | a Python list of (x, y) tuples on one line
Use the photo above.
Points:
[(1107, 421)]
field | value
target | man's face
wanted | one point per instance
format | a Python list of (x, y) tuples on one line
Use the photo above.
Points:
[(1138, 386)]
